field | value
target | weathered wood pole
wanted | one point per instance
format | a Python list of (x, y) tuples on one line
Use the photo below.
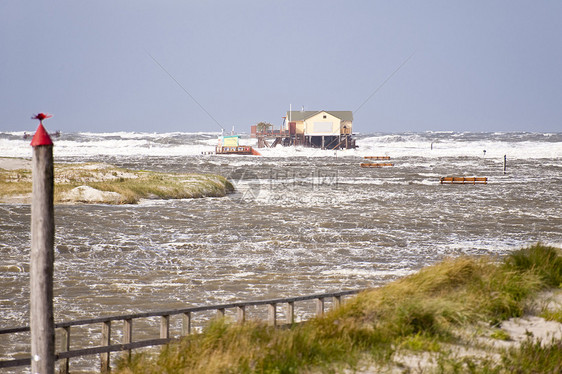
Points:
[(105, 341), (336, 301), (165, 327), (272, 314), (64, 367), (319, 307), (128, 336), (186, 324), (42, 254), (290, 312), (241, 314)]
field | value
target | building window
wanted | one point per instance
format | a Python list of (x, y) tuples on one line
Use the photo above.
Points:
[(324, 116)]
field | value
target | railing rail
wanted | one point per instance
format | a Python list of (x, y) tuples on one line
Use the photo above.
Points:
[(127, 345)]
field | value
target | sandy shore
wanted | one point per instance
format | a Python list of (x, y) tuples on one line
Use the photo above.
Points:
[(8, 163)]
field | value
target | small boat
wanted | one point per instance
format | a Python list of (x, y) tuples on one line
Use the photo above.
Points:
[(230, 145)]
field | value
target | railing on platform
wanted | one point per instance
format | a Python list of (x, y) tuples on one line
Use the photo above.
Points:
[(127, 344), (272, 134)]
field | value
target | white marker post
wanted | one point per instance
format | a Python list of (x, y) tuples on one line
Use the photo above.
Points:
[(42, 253)]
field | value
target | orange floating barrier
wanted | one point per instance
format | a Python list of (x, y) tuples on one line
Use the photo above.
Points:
[(375, 165), (463, 180), (377, 157)]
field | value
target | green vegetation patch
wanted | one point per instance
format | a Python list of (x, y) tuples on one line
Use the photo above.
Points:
[(15, 182), (545, 261), (552, 315), (423, 312), (103, 183)]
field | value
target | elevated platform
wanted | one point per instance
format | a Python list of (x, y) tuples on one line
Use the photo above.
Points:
[(270, 139)]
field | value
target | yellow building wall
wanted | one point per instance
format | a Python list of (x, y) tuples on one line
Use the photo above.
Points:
[(324, 128), (299, 126), (230, 141)]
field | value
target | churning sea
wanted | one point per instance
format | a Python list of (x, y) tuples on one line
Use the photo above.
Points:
[(302, 221)]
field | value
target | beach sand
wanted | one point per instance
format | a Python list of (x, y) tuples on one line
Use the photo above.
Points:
[(9, 163)]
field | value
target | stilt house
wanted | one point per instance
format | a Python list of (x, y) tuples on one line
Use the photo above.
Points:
[(319, 129)]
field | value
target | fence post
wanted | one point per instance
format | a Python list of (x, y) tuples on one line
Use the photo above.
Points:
[(291, 312), (165, 327), (336, 301), (319, 306), (220, 312), (241, 313), (128, 335), (42, 321), (272, 314), (105, 341), (186, 324), (65, 347)]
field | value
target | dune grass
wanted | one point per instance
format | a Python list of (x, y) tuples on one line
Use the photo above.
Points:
[(132, 185), (160, 185), (15, 182), (423, 312)]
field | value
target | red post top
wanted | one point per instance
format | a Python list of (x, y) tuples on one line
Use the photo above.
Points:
[(41, 136)]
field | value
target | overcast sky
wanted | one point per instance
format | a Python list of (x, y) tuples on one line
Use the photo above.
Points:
[(474, 66)]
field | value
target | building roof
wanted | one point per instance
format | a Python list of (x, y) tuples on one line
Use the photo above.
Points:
[(301, 115)]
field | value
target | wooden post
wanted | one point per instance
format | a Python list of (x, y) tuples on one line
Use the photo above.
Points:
[(105, 341), (291, 312), (241, 312), (165, 327), (319, 307), (128, 335), (42, 253), (272, 314), (65, 347), (186, 325), (336, 301)]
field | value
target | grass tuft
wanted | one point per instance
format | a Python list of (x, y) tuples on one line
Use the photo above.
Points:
[(544, 260), (500, 335), (552, 315)]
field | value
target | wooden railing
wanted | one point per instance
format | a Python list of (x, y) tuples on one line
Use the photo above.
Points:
[(127, 344)]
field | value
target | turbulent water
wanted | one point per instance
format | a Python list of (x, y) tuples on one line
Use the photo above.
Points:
[(302, 221)]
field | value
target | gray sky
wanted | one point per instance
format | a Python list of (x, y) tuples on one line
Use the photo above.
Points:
[(477, 65)]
